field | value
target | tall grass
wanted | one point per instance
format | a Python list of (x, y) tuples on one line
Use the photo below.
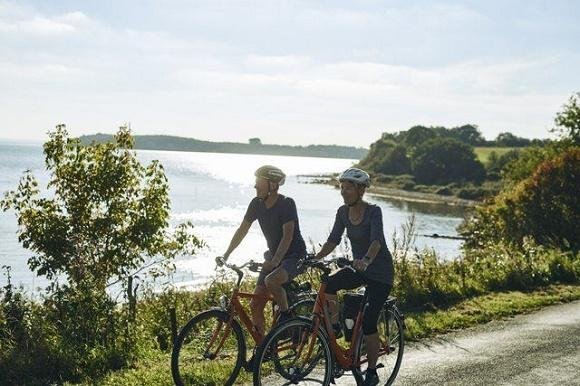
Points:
[(33, 351)]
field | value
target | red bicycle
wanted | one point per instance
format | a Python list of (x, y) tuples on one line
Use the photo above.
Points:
[(213, 341), (308, 352)]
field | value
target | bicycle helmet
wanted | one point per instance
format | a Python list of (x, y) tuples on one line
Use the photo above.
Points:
[(271, 173), (357, 176)]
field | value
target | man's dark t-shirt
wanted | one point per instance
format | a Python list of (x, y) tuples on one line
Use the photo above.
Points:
[(361, 236), (271, 221)]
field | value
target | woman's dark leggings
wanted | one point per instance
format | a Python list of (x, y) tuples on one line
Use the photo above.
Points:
[(378, 293)]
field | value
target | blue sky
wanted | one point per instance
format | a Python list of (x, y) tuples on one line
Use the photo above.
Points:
[(285, 71)]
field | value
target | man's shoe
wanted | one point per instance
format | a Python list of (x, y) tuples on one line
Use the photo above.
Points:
[(284, 316), (249, 367), (371, 378)]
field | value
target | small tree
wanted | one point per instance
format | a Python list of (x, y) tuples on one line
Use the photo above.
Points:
[(104, 217), (109, 214), (469, 134), (444, 160), (377, 153), (568, 120), (254, 141)]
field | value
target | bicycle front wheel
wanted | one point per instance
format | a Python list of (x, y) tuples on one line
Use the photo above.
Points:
[(391, 346), (208, 350), (294, 353)]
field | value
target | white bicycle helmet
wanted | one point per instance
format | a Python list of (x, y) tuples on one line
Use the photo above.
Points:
[(357, 176), (271, 173)]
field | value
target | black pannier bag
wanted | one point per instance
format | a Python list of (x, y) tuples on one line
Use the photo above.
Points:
[(352, 302)]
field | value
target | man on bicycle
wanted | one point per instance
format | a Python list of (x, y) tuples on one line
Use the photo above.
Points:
[(278, 220)]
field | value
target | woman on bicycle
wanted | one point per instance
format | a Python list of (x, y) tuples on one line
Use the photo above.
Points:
[(372, 260)]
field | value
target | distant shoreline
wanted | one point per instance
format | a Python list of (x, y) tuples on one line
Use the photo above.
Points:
[(173, 143), (399, 194)]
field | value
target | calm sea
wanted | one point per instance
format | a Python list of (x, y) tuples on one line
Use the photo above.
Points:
[(213, 190)]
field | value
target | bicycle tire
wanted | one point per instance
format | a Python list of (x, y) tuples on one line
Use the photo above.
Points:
[(271, 338), (221, 316), (392, 314)]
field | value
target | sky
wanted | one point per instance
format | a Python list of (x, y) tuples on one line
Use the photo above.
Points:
[(288, 72)]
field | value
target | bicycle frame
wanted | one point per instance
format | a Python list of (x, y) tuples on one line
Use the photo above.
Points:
[(321, 317), (237, 309)]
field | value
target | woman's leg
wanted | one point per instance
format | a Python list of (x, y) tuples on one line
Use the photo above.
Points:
[(377, 295), (344, 278)]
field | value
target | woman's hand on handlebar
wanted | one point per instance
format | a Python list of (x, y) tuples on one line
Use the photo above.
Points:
[(360, 265)]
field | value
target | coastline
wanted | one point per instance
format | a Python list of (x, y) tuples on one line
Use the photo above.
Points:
[(379, 190)]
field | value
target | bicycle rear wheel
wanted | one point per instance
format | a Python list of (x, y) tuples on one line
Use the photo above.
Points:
[(209, 349), (294, 353), (303, 307), (392, 342)]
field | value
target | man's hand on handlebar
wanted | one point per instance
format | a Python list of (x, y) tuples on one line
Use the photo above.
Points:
[(220, 261)]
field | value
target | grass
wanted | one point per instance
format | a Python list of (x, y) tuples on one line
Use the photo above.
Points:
[(483, 309), (155, 368), (482, 153)]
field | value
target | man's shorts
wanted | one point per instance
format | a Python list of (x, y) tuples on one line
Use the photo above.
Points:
[(289, 263)]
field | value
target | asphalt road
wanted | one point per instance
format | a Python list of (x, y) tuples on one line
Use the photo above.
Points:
[(542, 348)]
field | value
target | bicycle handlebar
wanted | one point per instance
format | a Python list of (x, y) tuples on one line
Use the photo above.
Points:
[(309, 261), (252, 265)]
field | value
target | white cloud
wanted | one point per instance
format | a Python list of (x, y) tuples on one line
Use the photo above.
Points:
[(37, 26), (323, 72)]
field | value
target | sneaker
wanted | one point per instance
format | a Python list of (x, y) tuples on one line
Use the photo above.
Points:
[(284, 316), (371, 378)]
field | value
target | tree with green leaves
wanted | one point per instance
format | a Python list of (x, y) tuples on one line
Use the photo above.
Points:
[(395, 162), (539, 199), (568, 120), (445, 160), (417, 135), (469, 134), (103, 219), (109, 215)]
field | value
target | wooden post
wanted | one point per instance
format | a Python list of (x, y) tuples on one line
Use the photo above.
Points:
[(173, 321)]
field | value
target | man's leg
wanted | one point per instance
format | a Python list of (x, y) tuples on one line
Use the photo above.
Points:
[(274, 282), (257, 306), (258, 302)]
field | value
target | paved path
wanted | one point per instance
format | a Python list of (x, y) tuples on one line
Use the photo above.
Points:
[(542, 348)]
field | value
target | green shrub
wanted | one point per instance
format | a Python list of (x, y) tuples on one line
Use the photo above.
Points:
[(444, 191), (543, 206)]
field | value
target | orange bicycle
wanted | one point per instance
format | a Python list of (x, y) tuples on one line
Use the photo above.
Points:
[(213, 342), (307, 351)]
